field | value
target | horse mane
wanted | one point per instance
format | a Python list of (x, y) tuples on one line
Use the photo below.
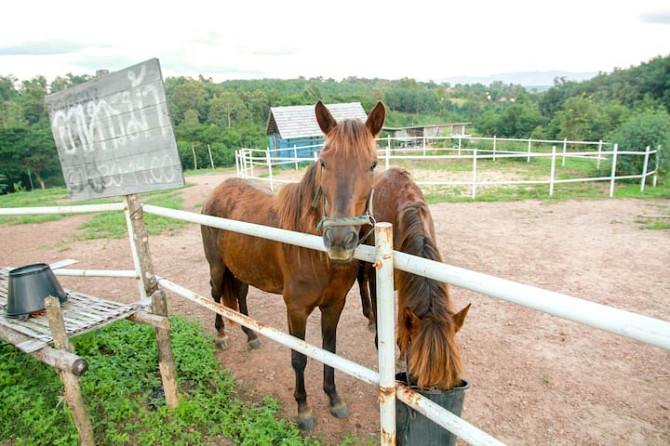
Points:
[(294, 203), (437, 361)]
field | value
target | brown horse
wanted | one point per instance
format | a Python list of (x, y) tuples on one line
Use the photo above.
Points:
[(333, 196), (426, 324)]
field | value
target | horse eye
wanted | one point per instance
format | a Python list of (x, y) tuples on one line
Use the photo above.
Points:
[(372, 167), (323, 166)]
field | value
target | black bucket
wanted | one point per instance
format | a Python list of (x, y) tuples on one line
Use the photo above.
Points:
[(414, 429), (27, 288)]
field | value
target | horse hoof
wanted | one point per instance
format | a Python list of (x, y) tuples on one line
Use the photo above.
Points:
[(339, 411), (223, 343), (255, 344), (306, 421)]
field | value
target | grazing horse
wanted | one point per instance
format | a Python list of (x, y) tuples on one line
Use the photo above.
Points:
[(333, 197), (426, 324)]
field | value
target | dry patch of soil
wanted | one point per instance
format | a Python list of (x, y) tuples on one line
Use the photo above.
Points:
[(535, 379)]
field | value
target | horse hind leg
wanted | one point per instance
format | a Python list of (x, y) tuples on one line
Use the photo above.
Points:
[(242, 290), (217, 272)]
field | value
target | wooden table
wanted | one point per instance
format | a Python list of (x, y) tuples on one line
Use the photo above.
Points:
[(79, 314)]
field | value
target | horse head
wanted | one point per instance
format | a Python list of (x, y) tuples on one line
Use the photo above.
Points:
[(345, 177), (428, 344)]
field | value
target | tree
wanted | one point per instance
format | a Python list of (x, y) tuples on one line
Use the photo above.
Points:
[(42, 156), (650, 127), (225, 107)]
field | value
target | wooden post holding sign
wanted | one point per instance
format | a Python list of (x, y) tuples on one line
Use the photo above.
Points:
[(115, 138)]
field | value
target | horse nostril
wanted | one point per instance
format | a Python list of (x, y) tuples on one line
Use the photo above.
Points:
[(328, 237), (352, 240)]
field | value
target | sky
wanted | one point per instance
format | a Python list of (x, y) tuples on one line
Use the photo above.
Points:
[(250, 39)]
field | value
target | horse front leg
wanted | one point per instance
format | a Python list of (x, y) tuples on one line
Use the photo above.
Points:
[(330, 316), (297, 322)]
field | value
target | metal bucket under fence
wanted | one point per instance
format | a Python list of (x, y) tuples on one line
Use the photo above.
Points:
[(414, 429)]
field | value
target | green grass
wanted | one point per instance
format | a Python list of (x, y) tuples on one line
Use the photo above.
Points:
[(102, 224), (113, 224), (122, 394)]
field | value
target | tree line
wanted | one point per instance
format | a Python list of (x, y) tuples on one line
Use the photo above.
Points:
[(629, 106)]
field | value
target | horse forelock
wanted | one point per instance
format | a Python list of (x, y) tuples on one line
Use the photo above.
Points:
[(433, 358), (352, 137)]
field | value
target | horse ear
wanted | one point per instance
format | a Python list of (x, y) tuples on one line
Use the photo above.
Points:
[(459, 318), (376, 119), (324, 118)]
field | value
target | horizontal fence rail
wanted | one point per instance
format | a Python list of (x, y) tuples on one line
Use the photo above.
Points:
[(261, 164), (624, 323)]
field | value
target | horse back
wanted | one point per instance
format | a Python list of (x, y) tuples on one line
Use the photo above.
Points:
[(253, 260), (396, 194)]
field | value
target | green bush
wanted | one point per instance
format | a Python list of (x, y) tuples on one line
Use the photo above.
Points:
[(647, 128)]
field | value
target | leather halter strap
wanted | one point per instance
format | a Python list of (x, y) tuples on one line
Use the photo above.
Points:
[(366, 219)]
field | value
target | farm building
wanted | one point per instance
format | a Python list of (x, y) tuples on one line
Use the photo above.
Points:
[(296, 126), (409, 134)]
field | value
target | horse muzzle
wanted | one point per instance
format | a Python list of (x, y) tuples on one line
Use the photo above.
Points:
[(340, 242)]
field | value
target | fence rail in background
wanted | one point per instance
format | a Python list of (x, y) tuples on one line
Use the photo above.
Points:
[(261, 164), (624, 323)]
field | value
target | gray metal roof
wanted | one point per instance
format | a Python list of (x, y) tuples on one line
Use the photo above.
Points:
[(299, 121)]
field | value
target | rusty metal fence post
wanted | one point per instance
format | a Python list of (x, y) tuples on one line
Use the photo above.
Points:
[(386, 330)]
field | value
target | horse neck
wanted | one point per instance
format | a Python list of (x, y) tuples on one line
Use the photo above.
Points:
[(294, 203), (414, 237), (434, 359)]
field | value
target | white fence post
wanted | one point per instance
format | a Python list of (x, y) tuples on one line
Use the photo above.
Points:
[(644, 168), (529, 150), (388, 151), (269, 161), (553, 170), (658, 156), (386, 330), (565, 149), (295, 155), (474, 174), (494, 148), (460, 138), (613, 174)]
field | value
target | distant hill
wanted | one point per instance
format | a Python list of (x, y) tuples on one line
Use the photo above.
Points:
[(539, 80)]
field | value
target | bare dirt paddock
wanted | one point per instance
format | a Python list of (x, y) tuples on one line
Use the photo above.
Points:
[(535, 379)]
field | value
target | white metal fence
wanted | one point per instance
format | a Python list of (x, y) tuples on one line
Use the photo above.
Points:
[(631, 325), (264, 164)]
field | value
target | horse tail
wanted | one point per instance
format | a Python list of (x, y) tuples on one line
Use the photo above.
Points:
[(230, 289), (435, 360)]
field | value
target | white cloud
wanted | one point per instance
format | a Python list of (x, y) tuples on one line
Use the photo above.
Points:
[(389, 39)]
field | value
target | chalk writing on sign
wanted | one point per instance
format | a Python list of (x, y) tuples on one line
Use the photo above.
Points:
[(114, 135)]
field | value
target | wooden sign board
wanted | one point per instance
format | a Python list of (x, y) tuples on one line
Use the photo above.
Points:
[(114, 135)]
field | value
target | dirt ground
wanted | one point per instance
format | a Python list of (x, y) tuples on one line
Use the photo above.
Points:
[(535, 379)]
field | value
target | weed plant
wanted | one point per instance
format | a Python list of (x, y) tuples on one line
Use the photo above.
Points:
[(123, 395)]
